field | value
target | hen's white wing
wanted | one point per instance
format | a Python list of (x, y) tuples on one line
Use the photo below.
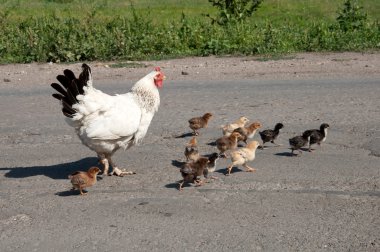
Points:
[(106, 117)]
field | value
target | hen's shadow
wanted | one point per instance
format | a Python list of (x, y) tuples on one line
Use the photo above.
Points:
[(58, 171)]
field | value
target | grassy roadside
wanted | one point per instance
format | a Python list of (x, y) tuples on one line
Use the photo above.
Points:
[(73, 30)]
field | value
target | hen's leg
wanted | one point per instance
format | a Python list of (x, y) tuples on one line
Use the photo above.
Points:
[(103, 160), (117, 171)]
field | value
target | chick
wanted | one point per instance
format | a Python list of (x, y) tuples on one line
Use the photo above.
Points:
[(191, 150), (297, 142), (192, 170), (248, 132), (229, 128), (318, 136), (242, 156), (81, 179), (197, 123), (271, 135), (211, 166), (227, 143)]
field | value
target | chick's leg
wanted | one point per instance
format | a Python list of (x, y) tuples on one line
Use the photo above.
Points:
[(310, 149), (199, 182), (180, 185), (81, 191), (249, 169), (229, 169), (262, 146), (117, 171), (276, 144)]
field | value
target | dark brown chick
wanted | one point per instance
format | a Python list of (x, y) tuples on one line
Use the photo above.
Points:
[(317, 136), (297, 142), (270, 135), (248, 132), (191, 150), (226, 143), (192, 170), (81, 179), (211, 166), (197, 123)]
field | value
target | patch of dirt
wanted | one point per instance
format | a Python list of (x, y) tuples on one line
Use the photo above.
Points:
[(303, 66)]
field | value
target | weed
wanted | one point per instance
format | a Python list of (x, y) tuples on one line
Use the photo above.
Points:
[(59, 37)]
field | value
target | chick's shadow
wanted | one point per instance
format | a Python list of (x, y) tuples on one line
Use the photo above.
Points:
[(184, 135), (178, 163), (58, 171)]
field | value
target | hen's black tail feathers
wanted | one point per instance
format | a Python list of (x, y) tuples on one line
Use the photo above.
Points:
[(71, 87)]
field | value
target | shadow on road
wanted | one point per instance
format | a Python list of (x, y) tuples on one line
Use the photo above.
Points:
[(172, 185), (177, 163), (213, 143), (224, 170), (184, 135), (69, 193), (284, 154), (59, 171)]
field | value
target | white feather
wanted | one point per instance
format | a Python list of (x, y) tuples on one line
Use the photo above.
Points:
[(106, 123)]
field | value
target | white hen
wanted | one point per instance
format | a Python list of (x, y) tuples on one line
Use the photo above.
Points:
[(106, 123)]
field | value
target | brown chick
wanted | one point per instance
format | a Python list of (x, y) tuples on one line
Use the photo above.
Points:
[(248, 132), (81, 179), (229, 128), (197, 123), (242, 156), (192, 170), (191, 150), (226, 143)]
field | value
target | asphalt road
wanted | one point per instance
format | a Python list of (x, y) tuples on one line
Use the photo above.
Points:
[(328, 200)]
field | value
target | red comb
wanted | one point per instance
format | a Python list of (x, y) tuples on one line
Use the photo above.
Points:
[(157, 69)]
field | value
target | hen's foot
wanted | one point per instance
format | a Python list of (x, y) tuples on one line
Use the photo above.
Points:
[(121, 172)]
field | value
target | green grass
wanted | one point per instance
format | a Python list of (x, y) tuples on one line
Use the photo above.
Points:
[(79, 30), (164, 11)]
